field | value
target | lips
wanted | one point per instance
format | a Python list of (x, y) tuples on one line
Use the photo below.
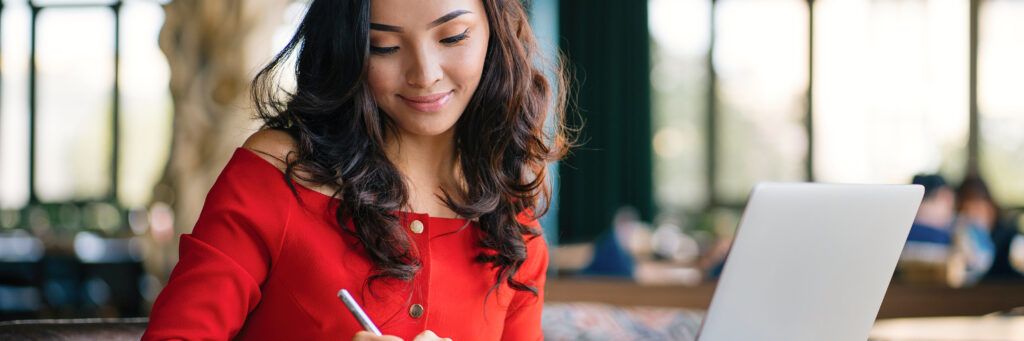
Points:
[(428, 103)]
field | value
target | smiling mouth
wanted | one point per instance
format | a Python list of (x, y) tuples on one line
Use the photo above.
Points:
[(428, 103)]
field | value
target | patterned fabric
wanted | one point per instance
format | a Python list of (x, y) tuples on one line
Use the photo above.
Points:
[(597, 321)]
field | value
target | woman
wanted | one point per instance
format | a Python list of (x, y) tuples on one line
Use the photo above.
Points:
[(406, 166)]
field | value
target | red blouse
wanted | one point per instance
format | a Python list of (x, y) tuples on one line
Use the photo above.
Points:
[(263, 264)]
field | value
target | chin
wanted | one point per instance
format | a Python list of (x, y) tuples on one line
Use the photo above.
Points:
[(426, 126), (418, 123)]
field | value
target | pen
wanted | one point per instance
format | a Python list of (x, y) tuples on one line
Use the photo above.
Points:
[(358, 312)]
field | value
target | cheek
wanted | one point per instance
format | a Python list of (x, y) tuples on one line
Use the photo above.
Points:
[(466, 65), (380, 78)]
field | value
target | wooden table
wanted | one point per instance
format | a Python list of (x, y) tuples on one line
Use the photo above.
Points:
[(901, 300), (988, 328)]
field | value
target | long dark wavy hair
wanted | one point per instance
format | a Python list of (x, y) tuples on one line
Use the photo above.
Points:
[(502, 146)]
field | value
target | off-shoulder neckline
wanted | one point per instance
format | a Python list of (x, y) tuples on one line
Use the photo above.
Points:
[(318, 194)]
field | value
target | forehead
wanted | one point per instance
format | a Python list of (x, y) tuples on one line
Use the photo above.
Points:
[(417, 14)]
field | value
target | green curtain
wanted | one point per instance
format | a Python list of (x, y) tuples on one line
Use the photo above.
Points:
[(607, 44)]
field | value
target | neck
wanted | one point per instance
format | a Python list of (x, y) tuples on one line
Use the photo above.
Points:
[(427, 162)]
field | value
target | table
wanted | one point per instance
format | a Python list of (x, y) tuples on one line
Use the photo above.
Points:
[(901, 300), (983, 328)]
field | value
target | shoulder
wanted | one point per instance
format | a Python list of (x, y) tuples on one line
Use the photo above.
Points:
[(537, 249), (535, 244), (279, 148), (534, 268), (537, 257), (528, 218), (249, 199), (275, 146), (253, 174)]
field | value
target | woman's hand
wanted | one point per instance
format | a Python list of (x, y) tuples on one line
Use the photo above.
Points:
[(368, 336), (426, 335)]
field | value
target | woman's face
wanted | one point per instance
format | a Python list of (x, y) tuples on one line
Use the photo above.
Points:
[(426, 58)]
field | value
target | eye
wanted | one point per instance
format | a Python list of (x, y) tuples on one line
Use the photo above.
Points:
[(383, 50), (456, 38)]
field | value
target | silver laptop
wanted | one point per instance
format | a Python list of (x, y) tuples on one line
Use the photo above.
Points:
[(811, 262)]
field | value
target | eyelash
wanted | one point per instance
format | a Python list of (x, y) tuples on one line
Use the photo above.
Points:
[(450, 41), (456, 38)]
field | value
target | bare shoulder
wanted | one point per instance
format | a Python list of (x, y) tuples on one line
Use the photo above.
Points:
[(277, 147), (272, 145)]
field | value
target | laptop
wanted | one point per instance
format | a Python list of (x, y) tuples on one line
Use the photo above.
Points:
[(811, 262)]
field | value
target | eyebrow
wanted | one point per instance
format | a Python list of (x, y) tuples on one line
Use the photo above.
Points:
[(443, 19)]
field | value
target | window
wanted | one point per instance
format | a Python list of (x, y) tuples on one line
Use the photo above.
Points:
[(761, 60), (79, 48), (73, 103), (15, 28), (147, 111), (679, 32), (891, 89), (1000, 80), (710, 148)]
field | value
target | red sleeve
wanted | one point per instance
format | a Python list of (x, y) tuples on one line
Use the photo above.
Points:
[(222, 264), (523, 321)]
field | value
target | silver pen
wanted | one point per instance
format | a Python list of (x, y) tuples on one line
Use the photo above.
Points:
[(358, 312)]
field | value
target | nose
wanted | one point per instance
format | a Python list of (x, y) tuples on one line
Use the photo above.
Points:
[(425, 69)]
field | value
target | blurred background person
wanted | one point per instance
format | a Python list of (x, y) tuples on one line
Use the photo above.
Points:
[(979, 212), (928, 246), (942, 247), (934, 221)]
